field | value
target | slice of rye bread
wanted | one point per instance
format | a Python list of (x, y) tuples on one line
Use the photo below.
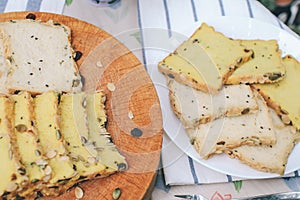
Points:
[(13, 173), (41, 57), (272, 158), (202, 63), (284, 95), (194, 107), (229, 132), (266, 65)]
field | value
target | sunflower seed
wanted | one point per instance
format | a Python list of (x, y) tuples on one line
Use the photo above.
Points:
[(51, 154), (12, 187), (99, 64), (130, 115), (79, 192), (111, 87), (48, 170)]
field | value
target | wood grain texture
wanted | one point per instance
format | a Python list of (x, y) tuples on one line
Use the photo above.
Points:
[(134, 93)]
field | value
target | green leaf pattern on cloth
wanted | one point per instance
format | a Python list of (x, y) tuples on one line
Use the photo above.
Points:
[(238, 185), (137, 36), (68, 2)]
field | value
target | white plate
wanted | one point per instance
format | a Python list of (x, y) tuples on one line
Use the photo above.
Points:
[(241, 28)]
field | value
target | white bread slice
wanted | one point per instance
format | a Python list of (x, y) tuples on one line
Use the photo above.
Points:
[(202, 63), (194, 107), (266, 65), (272, 158), (230, 132), (284, 95), (13, 173), (41, 57)]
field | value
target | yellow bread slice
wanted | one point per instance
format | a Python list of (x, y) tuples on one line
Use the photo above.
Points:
[(74, 130), (283, 96), (41, 57), (230, 132), (266, 65), (107, 152), (176, 67), (49, 134), (27, 144), (272, 158), (190, 64), (194, 107), (225, 52), (203, 62), (13, 174)]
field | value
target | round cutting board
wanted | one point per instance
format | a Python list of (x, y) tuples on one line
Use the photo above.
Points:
[(134, 115)]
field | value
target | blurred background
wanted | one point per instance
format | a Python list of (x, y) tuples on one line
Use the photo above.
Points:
[(287, 11)]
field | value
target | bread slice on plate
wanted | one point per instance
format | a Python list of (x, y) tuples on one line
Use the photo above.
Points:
[(226, 53), (192, 66), (41, 57), (194, 107), (270, 158), (266, 65), (202, 63), (284, 95), (230, 132)]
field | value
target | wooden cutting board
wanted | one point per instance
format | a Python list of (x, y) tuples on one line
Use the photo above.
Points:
[(106, 61)]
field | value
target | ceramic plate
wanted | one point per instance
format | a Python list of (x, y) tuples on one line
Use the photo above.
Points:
[(240, 28)]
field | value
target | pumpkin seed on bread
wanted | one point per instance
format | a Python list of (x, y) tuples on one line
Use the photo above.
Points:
[(265, 66)]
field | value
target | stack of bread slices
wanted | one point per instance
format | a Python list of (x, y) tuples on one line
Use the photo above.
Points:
[(53, 135), (237, 97)]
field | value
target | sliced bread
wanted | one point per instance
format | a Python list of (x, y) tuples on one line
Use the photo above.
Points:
[(50, 137), (13, 173), (194, 107), (27, 145), (108, 153), (284, 95), (266, 65), (271, 158), (41, 57), (74, 129), (202, 63), (230, 132)]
